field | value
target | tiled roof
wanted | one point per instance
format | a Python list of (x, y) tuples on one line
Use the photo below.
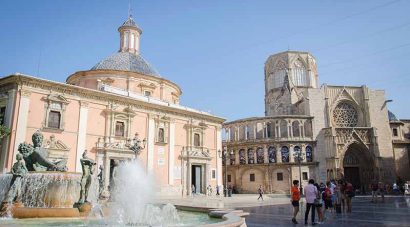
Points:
[(126, 61)]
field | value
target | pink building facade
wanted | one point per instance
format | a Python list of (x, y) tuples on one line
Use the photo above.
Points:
[(102, 109)]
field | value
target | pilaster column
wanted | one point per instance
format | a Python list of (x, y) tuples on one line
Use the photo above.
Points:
[(150, 144), (171, 156), (82, 134), (21, 129), (11, 96)]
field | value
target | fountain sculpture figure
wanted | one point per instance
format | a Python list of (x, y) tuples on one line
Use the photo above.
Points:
[(35, 156), (87, 165)]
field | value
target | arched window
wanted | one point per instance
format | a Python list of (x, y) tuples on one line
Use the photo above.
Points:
[(279, 75), (296, 129), (309, 154), (242, 132), (251, 158), (345, 115), (259, 156), (242, 159), (270, 130), (283, 129), (299, 73), (259, 130), (296, 150), (308, 128), (285, 153), (272, 154)]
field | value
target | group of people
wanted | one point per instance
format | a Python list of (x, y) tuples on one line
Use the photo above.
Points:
[(335, 196)]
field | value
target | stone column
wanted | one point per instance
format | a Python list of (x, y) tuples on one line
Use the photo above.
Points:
[(291, 152), (265, 154), (278, 155), (81, 135)]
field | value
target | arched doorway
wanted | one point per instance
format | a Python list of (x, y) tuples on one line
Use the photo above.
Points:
[(358, 166)]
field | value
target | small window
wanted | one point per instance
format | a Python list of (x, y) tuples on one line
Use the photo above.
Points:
[(147, 93), (229, 178), (252, 177), (395, 132), (197, 142), (54, 118), (161, 133), (279, 176), (119, 128), (304, 176), (213, 174)]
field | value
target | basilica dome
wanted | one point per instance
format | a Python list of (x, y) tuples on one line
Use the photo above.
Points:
[(126, 61)]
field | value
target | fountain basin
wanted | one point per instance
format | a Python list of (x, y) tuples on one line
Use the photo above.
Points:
[(46, 189)]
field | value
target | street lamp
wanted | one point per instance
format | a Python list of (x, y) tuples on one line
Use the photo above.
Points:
[(223, 155), (137, 145), (299, 157)]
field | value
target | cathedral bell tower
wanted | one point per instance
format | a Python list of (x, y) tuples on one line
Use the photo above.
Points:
[(130, 35), (288, 76)]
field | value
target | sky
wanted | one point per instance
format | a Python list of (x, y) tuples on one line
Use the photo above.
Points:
[(215, 50)]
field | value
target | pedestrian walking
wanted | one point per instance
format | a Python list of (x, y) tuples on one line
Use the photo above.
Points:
[(349, 195), (382, 190), (295, 197), (217, 190), (310, 196), (327, 198), (375, 188), (260, 191)]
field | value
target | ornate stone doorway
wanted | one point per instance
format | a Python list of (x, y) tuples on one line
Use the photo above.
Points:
[(358, 166), (197, 180)]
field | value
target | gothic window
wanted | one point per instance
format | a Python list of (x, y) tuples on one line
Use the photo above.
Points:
[(272, 154), (242, 159), (259, 130), (308, 128), (279, 75), (309, 154), (299, 74), (197, 140), (54, 119), (251, 158), (259, 155), (283, 129), (297, 150), (345, 115), (296, 129), (242, 132), (119, 128), (285, 154), (269, 130)]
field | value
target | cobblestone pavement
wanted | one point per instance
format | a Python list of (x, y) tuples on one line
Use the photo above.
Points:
[(395, 211)]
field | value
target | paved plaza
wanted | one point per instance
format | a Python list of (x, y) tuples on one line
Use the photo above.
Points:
[(275, 210), (395, 211)]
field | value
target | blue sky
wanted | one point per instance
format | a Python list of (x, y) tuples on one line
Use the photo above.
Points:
[(216, 50)]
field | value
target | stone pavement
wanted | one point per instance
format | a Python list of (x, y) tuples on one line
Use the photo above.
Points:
[(237, 200), (395, 211)]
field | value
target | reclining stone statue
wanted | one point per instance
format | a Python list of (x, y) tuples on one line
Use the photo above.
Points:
[(35, 156)]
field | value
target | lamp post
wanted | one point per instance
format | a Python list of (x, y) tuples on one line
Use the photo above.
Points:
[(299, 157), (223, 155), (137, 145)]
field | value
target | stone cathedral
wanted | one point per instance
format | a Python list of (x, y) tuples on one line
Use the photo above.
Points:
[(338, 131)]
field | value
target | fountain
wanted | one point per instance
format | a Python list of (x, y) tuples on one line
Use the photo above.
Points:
[(40, 188)]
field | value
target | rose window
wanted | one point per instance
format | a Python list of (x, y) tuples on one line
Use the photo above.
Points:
[(345, 115)]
